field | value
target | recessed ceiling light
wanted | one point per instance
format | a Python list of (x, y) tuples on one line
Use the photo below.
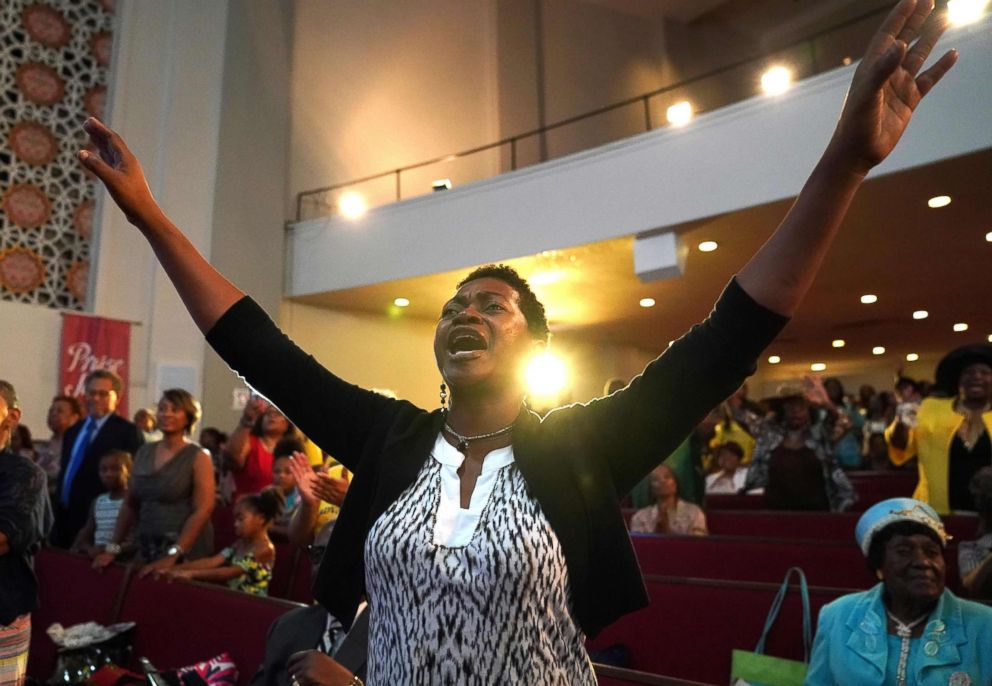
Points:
[(912, 357), (818, 367), (680, 113), (868, 299), (708, 246), (838, 343), (647, 302), (960, 326), (352, 205), (961, 12), (921, 314), (878, 350), (776, 80), (402, 302), (775, 359), (988, 237), (990, 338), (939, 201), (846, 61)]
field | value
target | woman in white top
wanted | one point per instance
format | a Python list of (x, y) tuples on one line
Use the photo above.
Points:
[(671, 514), (541, 567)]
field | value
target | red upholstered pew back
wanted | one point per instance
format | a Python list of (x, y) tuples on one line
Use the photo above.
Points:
[(837, 526), (691, 626), (826, 563), (185, 623), (71, 593), (178, 623)]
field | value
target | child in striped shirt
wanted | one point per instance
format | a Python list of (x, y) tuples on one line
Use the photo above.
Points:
[(115, 471)]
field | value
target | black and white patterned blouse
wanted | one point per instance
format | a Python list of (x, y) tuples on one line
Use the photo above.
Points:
[(476, 596)]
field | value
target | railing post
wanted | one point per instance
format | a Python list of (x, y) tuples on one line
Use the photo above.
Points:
[(513, 154), (398, 188), (647, 113)]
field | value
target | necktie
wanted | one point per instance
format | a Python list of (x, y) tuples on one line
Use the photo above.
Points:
[(76, 459)]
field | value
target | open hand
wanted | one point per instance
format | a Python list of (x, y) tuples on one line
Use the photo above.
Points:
[(313, 668), (119, 170), (888, 85), (157, 567)]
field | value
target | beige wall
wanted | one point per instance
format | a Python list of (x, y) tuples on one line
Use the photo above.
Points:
[(370, 351), (251, 201), (379, 84)]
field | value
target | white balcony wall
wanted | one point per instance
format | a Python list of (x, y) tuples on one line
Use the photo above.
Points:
[(751, 153)]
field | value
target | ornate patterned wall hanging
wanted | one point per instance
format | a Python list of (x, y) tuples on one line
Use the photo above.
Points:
[(54, 59)]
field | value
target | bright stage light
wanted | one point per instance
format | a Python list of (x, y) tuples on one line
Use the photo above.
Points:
[(776, 80), (961, 12), (546, 375), (352, 205), (680, 113)]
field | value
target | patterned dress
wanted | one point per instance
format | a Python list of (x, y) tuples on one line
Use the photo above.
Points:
[(256, 577), (495, 610)]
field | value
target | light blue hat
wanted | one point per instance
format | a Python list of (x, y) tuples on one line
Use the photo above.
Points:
[(880, 515)]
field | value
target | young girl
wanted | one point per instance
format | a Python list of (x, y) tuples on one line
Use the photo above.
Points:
[(247, 565), (284, 481), (115, 472)]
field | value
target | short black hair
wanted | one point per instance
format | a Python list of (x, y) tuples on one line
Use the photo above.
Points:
[(732, 447), (533, 310), (285, 447), (876, 551)]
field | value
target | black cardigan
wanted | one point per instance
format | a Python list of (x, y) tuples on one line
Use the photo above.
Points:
[(578, 462)]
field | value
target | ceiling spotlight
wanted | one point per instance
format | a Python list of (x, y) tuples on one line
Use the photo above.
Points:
[(939, 201), (776, 80), (921, 314), (647, 302), (839, 343), (988, 237), (441, 185), (775, 359), (680, 113), (878, 350), (708, 246), (912, 357), (869, 299), (961, 326), (352, 205), (961, 12), (402, 302), (818, 367)]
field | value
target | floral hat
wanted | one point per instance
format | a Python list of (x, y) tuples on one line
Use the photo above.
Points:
[(893, 510)]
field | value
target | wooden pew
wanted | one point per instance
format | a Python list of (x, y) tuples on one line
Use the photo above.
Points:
[(177, 623), (826, 563), (692, 625), (837, 526), (185, 623), (71, 592), (607, 675)]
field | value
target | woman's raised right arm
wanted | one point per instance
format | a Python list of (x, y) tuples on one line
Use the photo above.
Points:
[(203, 289)]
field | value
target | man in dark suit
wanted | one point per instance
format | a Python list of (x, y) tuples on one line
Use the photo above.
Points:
[(82, 447), (299, 645)]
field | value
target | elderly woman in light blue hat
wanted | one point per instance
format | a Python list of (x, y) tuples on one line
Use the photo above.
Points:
[(908, 630)]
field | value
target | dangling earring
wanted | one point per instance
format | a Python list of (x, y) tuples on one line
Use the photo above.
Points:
[(444, 397)]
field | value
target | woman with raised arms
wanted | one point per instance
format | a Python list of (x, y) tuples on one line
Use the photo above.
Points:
[(490, 542)]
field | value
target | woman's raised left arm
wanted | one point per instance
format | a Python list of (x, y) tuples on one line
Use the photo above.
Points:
[(886, 89)]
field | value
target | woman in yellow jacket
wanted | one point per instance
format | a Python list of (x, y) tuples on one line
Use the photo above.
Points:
[(952, 436)]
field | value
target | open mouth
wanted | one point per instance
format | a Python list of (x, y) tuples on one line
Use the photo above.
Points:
[(466, 343)]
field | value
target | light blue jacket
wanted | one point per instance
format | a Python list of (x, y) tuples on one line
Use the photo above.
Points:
[(851, 646)]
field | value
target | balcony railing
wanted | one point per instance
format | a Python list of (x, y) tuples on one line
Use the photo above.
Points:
[(819, 52)]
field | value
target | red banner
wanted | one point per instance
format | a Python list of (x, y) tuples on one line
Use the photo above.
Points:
[(90, 343)]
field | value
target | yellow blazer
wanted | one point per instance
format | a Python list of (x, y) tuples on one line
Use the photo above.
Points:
[(930, 441)]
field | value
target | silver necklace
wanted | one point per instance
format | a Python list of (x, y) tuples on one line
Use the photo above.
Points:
[(463, 441), (905, 632)]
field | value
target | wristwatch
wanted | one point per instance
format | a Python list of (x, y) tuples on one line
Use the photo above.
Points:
[(175, 549), (112, 548)]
